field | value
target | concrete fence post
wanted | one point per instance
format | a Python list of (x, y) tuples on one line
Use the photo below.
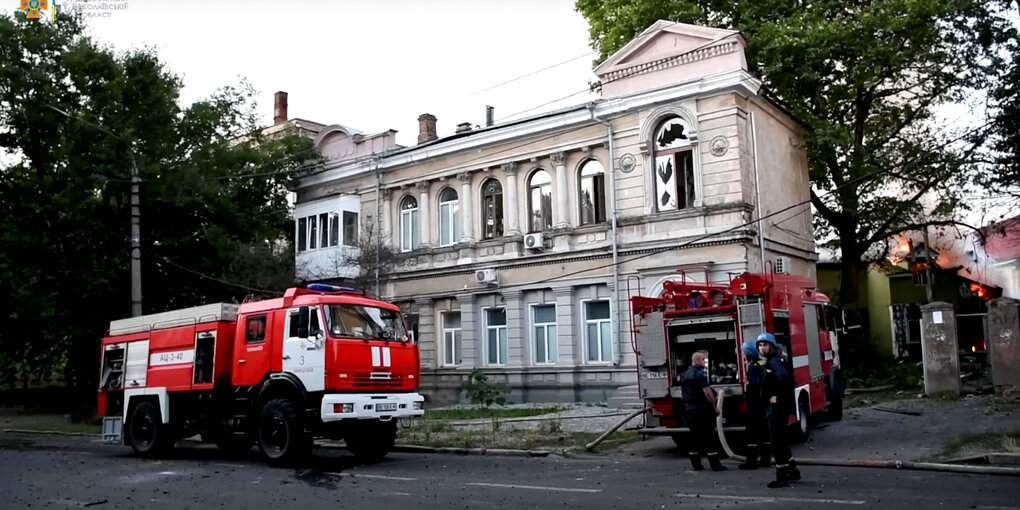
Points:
[(1004, 343), (939, 348)]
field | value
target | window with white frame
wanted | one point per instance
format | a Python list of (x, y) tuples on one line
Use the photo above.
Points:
[(674, 165), (540, 201), (408, 224), (543, 318), (320, 230), (492, 209), (350, 228), (449, 217), (597, 331), (592, 195), (452, 340), (495, 336)]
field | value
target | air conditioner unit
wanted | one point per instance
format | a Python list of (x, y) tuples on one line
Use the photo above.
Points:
[(485, 276), (534, 242), (783, 264)]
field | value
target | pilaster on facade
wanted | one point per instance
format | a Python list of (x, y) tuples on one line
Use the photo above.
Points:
[(424, 207), (386, 214), (561, 212), (567, 327), (428, 346), (518, 353), (513, 227), (467, 205), (471, 350)]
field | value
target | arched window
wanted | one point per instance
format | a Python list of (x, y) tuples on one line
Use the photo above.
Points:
[(592, 197), (408, 224), (540, 201), (492, 209), (449, 217), (674, 165)]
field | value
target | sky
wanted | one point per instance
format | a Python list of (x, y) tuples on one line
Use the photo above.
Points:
[(368, 64)]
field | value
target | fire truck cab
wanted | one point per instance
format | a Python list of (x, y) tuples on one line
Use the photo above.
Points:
[(320, 361), (717, 318)]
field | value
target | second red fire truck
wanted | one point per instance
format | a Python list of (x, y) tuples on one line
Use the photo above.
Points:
[(319, 361), (717, 318)]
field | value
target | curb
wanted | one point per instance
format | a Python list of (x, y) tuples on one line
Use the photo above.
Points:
[(449, 450)]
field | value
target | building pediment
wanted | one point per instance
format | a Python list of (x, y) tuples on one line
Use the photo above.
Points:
[(670, 52)]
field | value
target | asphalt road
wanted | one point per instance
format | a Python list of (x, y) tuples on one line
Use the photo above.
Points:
[(38, 471)]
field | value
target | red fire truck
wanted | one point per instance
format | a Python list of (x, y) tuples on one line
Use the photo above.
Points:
[(320, 361), (717, 318)]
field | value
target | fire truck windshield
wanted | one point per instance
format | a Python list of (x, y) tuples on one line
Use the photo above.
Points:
[(364, 322)]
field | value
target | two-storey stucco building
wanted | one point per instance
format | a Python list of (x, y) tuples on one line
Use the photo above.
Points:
[(521, 242)]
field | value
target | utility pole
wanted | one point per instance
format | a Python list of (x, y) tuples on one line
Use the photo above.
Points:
[(136, 239), (928, 293)]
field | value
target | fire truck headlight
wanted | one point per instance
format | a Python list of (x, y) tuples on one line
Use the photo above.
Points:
[(416, 406), (343, 408)]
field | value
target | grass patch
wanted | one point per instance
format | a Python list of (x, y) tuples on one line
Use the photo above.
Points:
[(988, 442), (501, 435), (471, 414)]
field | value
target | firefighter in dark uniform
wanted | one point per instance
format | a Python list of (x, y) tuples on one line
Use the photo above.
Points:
[(759, 447), (701, 413), (777, 398)]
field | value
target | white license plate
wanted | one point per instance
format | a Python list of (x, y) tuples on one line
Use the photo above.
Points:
[(386, 407)]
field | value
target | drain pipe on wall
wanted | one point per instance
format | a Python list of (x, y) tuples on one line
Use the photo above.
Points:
[(378, 222), (757, 192), (612, 221)]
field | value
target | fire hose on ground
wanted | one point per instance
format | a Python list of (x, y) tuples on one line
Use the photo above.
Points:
[(884, 464)]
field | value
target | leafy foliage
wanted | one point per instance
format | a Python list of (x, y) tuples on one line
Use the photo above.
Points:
[(867, 80), (481, 390), (74, 117)]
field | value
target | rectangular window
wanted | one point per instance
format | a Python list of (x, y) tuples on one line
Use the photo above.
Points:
[(452, 343), (409, 229), (495, 336), (334, 229), (350, 228), (323, 230), (255, 329), (313, 233), (597, 331), (674, 188), (544, 333), (302, 234)]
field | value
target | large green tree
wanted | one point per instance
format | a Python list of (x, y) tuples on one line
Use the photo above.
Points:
[(74, 117), (869, 80)]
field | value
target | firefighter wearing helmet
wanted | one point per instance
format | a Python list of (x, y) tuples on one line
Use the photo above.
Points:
[(777, 399), (759, 447)]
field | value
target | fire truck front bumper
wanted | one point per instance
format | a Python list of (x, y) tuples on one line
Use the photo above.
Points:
[(371, 406)]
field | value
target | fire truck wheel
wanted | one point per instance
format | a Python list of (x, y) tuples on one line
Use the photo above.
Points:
[(834, 410), (371, 440), (149, 435), (803, 426), (281, 437)]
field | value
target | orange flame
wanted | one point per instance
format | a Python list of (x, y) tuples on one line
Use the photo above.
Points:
[(980, 290)]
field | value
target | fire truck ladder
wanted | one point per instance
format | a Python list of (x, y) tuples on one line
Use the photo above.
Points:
[(751, 318)]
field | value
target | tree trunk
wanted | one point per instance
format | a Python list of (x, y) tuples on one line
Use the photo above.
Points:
[(849, 271)]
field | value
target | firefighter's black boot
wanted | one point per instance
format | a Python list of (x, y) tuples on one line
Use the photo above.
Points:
[(792, 472), (696, 462), (752, 458), (782, 478), (713, 460)]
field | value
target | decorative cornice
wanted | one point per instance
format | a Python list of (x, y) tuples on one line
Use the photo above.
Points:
[(510, 168), (558, 158), (465, 177), (422, 186), (672, 61)]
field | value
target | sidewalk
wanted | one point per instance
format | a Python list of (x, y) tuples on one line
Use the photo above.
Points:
[(878, 433)]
